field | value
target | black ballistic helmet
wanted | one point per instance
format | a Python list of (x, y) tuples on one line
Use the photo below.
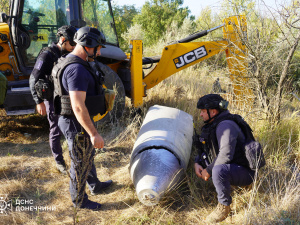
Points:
[(212, 101), (89, 37), (68, 32)]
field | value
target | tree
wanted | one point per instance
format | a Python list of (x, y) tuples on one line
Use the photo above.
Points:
[(207, 20), (123, 16), (4, 6), (290, 16), (272, 44), (157, 15), (237, 7)]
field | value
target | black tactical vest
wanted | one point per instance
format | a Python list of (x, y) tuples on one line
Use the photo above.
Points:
[(62, 104), (53, 54), (42, 81), (209, 135)]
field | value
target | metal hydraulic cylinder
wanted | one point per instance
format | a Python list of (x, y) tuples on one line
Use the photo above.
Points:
[(161, 152)]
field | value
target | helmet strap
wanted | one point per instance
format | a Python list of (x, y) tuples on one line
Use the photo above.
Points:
[(95, 52), (62, 50), (90, 56), (210, 118), (206, 121)]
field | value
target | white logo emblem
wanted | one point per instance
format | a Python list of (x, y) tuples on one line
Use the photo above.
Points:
[(5, 205), (190, 57)]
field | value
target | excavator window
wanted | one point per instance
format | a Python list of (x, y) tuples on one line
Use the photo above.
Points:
[(97, 13), (40, 20)]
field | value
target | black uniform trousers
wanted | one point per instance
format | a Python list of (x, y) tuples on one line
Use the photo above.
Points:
[(82, 160), (55, 133)]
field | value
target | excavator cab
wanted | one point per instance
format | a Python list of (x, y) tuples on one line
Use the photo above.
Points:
[(35, 24), (32, 25)]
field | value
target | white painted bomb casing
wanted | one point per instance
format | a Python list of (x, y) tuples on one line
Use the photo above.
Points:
[(161, 152)]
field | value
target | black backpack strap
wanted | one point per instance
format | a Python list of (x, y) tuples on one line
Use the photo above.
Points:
[(48, 49), (246, 129), (209, 130)]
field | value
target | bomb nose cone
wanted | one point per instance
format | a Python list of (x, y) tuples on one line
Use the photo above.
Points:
[(148, 197), (161, 153), (154, 172)]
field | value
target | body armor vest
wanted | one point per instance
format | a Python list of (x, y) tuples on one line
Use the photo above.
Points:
[(209, 135), (44, 85), (62, 104), (54, 55)]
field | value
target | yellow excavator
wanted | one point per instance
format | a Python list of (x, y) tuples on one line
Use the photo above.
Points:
[(32, 24)]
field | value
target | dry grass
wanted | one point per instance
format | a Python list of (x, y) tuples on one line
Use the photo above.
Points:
[(27, 169)]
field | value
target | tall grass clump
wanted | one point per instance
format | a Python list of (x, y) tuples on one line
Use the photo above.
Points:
[(281, 141)]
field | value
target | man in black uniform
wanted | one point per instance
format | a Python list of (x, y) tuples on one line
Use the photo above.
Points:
[(40, 74), (78, 96), (224, 141)]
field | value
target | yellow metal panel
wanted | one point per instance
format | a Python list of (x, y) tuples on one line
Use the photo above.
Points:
[(115, 66), (4, 29), (177, 57), (234, 31), (7, 56), (137, 87)]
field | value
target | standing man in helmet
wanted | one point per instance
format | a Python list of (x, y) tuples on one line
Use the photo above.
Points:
[(224, 142), (40, 77), (78, 96)]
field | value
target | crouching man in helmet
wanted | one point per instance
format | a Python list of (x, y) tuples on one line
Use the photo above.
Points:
[(224, 141), (78, 96)]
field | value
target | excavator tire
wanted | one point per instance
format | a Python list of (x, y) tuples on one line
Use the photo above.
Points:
[(112, 81)]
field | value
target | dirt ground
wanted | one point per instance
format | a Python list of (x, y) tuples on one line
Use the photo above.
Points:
[(39, 193)]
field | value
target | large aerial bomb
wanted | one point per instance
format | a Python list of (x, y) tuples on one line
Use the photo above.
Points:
[(161, 152)]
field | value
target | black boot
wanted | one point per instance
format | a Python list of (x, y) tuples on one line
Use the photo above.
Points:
[(91, 205), (100, 187)]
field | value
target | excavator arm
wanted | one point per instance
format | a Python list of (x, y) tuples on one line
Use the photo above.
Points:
[(182, 54), (177, 57)]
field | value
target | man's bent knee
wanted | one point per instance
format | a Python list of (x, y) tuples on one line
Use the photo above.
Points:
[(220, 171)]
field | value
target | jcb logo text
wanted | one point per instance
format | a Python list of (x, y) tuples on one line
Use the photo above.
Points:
[(190, 57)]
